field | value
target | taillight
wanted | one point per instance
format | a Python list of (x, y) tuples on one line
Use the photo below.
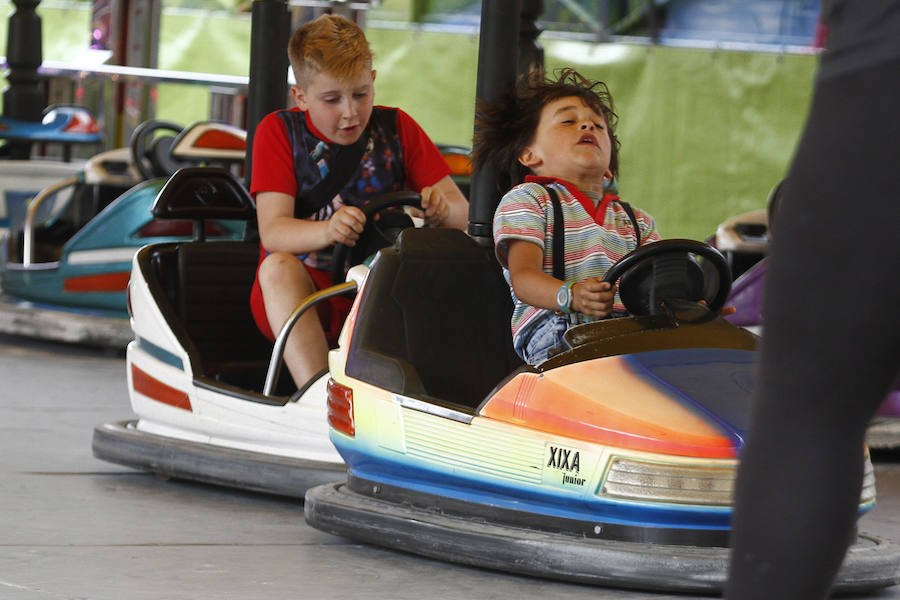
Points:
[(340, 408)]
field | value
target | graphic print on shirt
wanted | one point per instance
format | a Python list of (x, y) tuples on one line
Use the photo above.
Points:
[(380, 169)]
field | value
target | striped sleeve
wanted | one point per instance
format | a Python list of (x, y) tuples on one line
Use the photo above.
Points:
[(521, 215)]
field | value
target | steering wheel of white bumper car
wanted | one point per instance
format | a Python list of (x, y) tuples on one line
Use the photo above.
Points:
[(663, 276), (152, 156), (377, 234)]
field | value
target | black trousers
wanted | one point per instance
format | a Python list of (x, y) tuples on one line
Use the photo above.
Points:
[(831, 342)]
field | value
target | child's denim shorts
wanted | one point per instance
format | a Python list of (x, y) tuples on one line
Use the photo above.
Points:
[(545, 340)]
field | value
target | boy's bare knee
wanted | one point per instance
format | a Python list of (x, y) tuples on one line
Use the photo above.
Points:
[(281, 264), (281, 269)]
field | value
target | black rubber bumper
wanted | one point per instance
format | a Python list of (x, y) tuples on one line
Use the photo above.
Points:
[(60, 325), (871, 563), (124, 444), (884, 433)]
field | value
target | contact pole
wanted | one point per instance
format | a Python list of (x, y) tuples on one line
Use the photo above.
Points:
[(497, 65), (269, 33)]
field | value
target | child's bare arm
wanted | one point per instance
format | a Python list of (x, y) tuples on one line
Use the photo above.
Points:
[(527, 277), (592, 297), (281, 232), (444, 205)]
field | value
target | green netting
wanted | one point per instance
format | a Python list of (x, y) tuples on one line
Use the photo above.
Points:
[(705, 134), (66, 29), (188, 41)]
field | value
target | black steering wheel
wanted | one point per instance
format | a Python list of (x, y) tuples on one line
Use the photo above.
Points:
[(152, 157), (377, 234), (662, 276)]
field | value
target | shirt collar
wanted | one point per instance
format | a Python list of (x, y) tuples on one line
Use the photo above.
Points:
[(598, 213)]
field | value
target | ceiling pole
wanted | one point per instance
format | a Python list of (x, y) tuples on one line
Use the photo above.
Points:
[(531, 53), (497, 67), (269, 33)]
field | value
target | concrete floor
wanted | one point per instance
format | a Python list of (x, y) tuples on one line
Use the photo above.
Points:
[(73, 527)]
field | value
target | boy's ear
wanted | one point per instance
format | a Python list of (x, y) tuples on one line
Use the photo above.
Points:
[(529, 158), (299, 97)]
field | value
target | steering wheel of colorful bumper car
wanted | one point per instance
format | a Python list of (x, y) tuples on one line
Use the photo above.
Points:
[(379, 233), (152, 156), (663, 277)]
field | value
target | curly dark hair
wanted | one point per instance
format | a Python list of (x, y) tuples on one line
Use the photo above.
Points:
[(505, 128)]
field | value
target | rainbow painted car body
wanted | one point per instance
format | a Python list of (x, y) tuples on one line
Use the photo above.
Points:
[(607, 441), (612, 462)]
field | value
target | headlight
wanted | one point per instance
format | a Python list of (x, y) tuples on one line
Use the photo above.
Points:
[(646, 481), (630, 479)]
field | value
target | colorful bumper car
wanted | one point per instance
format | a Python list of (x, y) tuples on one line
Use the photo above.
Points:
[(20, 180), (202, 380), (611, 463), (67, 263)]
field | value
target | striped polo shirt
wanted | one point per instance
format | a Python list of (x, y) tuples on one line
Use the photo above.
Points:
[(595, 238)]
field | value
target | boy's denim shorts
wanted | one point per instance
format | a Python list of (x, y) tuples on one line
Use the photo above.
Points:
[(545, 340)]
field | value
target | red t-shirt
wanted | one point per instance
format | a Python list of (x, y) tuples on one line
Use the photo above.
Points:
[(273, 158), (274, 171)]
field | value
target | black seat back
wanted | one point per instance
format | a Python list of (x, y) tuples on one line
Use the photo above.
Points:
[(434, 320), (212, 300)]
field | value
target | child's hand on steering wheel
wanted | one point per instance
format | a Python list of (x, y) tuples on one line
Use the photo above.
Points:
[(593, 297), (435, 208), (346, 225)]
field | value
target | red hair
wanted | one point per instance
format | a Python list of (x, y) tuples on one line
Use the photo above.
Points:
[(331, 44)]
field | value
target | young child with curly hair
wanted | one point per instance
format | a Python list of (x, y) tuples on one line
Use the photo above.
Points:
[(559, 230)]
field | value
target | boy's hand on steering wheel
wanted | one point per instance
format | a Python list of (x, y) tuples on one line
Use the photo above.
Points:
[(435, 208), (345, 225), (593, 297)]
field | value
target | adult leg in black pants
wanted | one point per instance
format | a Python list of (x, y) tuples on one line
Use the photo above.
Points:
[(831, 344)]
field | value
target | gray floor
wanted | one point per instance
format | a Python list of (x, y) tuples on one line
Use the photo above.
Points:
[(73, 527)]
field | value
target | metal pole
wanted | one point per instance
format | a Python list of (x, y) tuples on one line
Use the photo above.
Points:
[(269, 33), (653, 21), (141, 49), (531, 53), (497, 65), (23, 98)]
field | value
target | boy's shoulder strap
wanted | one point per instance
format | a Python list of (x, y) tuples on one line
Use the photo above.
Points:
[(559, 266), (634, 222), (344, 164), (559, 235)]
